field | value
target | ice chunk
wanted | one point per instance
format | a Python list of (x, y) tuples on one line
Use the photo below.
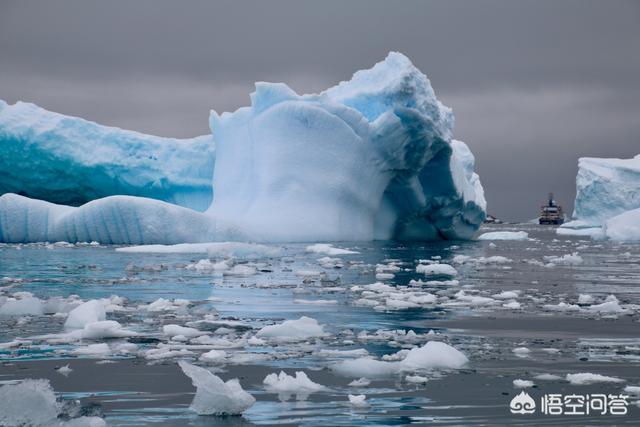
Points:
[(213, 396), (214, 356), (174, 330), (434, 355), (88, 312), (293, 330), (213, 250), (79, 161), (105, 329), (33, 403), (327, 249), (29, 306), (436, 270), (286, 385), (30, 402), (504, 235), (518, 383), (361, 382), (586, 378), (358, 400)]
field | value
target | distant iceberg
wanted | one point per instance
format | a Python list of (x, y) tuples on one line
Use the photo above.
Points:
[(371, 158), (72, 161), (607, 199)]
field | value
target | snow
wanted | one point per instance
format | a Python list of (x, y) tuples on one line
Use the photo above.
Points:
[(327, 249), (436, 270), (389, 169), (89, 312), (293, 330), (504, 235), (358, 400), (79, 161), (586, 378), (213, 396), (286, 385)]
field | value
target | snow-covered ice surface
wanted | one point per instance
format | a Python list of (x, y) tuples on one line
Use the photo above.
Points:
[(370, 158), (548, 314), (79, 161)]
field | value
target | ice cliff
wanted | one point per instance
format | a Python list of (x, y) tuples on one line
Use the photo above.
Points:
[(607, 199), (371, 158), (68, 160)]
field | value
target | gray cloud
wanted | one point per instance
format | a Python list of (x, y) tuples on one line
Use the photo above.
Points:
[(534, 84)]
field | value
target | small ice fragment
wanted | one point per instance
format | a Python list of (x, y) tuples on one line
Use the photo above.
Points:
[(362, 382), (504, 235), (436, 270), (585, 299), (286, 385), (327, 249), (522, 383), (416, 379), (214, 396), (547, 377), (64, 370), (358, 400), (586, 378), (521, 351), (88, 312), (292, 330), (214, 356), (174, 330)]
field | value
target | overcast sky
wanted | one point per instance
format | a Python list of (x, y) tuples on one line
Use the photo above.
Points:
[(533, 84)]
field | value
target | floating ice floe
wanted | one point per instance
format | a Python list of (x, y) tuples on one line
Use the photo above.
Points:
[(327, 249), (586, 378), (567, 259), (433, 355), (390, 169), (519, 383), (548, 377), (286, 385), (436, 270), (293, 330), (214, 396), (89, 312), (358, 400), (504, 235)]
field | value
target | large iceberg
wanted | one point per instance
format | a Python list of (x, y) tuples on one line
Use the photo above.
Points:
[(68, 160), (607, 198), (371, 158)]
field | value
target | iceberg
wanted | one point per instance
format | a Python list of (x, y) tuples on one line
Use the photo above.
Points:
[(72, 161), (607, 199), (371, 158)]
